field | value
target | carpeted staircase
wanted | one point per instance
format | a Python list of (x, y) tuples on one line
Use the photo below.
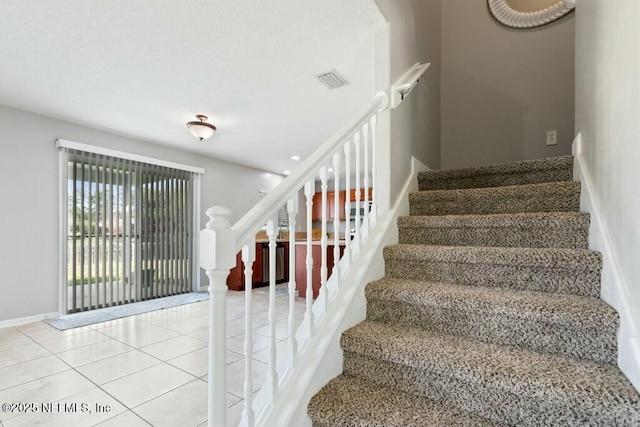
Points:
[(489, 313)]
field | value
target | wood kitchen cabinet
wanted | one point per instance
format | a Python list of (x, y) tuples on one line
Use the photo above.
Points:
[(301, 267), (332, 205), (316, 214), (352, 195), (235, 280)]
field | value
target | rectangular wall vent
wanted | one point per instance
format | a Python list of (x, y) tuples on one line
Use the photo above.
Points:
[(332, 79)]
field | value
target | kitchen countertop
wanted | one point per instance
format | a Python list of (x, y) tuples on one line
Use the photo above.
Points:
[(330, 241), (318, 242)]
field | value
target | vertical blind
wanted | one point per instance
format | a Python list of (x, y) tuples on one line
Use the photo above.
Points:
[(283, 216), (129, 231)]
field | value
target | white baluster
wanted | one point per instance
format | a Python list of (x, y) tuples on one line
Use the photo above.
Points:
[(217, 257), (248, 258), (292, 210), (323, 238), (308, 192), (336, 218), (356, 140), (272, 378), (347, 203), (365, 221), (374, 209)]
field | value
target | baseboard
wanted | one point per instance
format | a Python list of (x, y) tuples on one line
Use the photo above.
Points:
[(614, 286), (417, 166), (29, 319)]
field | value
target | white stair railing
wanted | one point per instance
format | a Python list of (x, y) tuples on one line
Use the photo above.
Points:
[(219, 244)]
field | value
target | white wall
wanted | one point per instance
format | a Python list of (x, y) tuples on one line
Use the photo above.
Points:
[(29, 189), (608, 117), (415, 124), (502, 89)]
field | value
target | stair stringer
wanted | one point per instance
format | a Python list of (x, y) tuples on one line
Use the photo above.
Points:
[(613, 283), (315, 369)]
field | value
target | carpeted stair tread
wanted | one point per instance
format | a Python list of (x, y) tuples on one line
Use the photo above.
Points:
[(489, 306), (351, 402), (505, 384), (514, 173), (573, 271), (537, 229), (568, 325), (547, 197)]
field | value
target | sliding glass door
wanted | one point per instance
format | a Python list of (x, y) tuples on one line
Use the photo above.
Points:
[(129, 231)]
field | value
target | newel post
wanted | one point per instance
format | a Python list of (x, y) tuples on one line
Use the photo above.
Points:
[(217, 257)]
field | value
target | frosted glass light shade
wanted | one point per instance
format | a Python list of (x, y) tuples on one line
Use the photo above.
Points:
[(201, 129)]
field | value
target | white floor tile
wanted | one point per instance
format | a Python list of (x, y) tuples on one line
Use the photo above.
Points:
[(103, 353), (33, 327), (14, 340), (233, 357), (235, 376), (8, 331), (139, 334), (163, 317), (196, 362), (147, 384), (264, 354), (92, 353), (235, 327), (43, 331), (21, 373), (173, 347), (259, 342), (202, 335), (186, 406), (282, 330), (126, 419), (188, 325), (115, 367), (115, 322), (260, 318), (85, 413), (70, 342), (44, 390), (21, 354), (234, 414)]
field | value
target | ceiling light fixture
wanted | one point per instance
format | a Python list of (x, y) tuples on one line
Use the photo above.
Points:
[(296, 158), (287, 172), (201, 129)]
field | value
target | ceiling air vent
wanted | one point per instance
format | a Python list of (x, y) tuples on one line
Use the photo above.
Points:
[(332, 79)]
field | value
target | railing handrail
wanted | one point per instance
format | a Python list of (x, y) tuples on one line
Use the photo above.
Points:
[(246, 226)]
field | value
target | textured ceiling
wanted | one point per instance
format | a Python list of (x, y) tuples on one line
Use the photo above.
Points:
[(144, 68)]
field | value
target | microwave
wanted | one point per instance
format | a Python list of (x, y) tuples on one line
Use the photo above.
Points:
[(365, 207)]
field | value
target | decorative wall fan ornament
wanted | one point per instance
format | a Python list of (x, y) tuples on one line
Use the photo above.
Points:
[(504, 12)]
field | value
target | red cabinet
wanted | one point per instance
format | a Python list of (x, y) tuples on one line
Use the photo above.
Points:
[(340, 200), (301, 267), (316, 214), (235, 280), (352, 195), (316, 211)]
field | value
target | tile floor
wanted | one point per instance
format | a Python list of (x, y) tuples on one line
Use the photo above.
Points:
[(148, 369)]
